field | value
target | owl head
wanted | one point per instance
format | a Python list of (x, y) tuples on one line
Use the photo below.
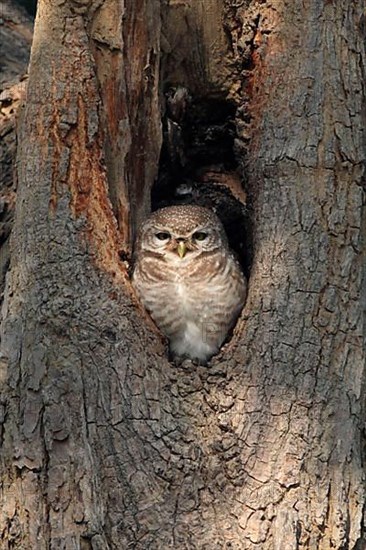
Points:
[(181, 233)]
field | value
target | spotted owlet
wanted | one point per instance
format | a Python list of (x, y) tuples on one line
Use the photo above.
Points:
[(188, 279)]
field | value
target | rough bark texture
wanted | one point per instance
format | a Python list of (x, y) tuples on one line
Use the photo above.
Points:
[(15, 38), (125, 43), (16, 30), (196, 52), (305, 333), (105, 444)]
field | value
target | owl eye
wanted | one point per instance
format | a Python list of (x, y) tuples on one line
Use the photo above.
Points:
[(162, 236), (199, 236)]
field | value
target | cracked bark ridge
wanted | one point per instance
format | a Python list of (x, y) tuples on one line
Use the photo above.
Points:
[(15, 36), (302, 141), (126, 47)]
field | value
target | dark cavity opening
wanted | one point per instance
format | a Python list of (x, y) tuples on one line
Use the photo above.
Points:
[(198, 164), (29, 5)]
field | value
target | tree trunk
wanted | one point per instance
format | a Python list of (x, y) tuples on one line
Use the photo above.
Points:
[(16, 38), (105, 443)]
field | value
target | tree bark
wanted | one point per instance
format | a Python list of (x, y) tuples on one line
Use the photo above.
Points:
[(15, 38), (105, 444)]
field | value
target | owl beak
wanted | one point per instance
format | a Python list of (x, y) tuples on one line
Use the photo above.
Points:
[(182, 249)]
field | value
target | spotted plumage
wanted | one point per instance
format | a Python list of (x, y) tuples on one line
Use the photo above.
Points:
[(188, 279)]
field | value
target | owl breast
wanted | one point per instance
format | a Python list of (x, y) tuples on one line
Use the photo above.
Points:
[(195, 306)]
